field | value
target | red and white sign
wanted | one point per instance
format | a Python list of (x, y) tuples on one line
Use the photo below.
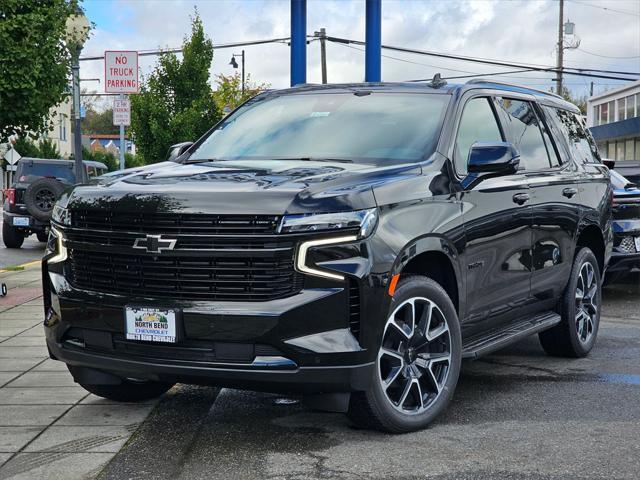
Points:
[(122, 112), (121, 72)]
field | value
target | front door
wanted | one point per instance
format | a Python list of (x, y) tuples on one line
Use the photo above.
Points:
[(498, 217)]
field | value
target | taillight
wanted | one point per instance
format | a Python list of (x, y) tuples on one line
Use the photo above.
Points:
[(10, 195)]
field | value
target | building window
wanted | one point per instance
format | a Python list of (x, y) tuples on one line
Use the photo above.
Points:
[(619, 150), (612, 115), (631, 107), (611, 150), (63, 127), (622, 109), (628, 150), (637, 149), (596, 115), (604, 114)]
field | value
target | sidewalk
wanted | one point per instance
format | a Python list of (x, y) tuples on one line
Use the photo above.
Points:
[(49, 426)]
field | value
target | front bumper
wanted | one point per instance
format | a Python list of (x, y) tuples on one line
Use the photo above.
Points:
[(624, 262), (310, 342)]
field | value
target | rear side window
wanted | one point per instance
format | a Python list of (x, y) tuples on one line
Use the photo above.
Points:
[(525, 131), (582, 146), (478, 124)]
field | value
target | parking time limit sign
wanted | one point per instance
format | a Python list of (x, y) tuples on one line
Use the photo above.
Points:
[(121, 71)]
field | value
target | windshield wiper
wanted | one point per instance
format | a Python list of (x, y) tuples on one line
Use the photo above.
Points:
[(315, 159)]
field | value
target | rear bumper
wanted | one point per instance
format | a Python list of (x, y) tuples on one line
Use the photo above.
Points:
[(34, 224)]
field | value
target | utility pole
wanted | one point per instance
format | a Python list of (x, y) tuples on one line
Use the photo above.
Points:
[(322, 36), (560, 48), (591, 90), (122, 144)]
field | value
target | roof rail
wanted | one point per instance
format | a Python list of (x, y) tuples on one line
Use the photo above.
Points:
[(498, 82)]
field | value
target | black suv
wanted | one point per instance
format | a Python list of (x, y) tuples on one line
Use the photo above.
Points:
[(350, 243), (37, 184)]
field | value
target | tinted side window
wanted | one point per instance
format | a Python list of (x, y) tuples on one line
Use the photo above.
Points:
[(525, 133), (478, 124), (583, 147)]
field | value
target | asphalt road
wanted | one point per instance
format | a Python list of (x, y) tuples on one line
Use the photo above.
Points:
[(31, 250), (517, 414)]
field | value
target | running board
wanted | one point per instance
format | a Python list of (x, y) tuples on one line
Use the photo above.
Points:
[(497, 339)]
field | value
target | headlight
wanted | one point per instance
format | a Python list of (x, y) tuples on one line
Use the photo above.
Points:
[(60, 249), (363, 220), (61, 215)]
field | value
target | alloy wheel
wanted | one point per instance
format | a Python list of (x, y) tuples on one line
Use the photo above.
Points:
[(45, 199), (415, 356), (586, 302)]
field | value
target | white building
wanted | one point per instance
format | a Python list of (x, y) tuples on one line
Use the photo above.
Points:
[(61, 134), (614, 120)]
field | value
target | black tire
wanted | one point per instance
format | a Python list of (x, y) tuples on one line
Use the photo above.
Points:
[(42, 236), (374, 408), (11, 236), (41, 195), (568, 339), (128, 390)]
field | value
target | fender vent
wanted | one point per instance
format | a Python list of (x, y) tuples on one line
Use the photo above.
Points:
[(354, 308)]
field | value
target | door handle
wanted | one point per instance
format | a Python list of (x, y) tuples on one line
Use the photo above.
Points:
[(521, 198), (569, 192)]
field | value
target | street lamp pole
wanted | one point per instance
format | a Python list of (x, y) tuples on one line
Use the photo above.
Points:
[(77, 27), (77, 133)]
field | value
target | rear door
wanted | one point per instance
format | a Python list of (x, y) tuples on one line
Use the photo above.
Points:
[(554, 196), (497, 217)]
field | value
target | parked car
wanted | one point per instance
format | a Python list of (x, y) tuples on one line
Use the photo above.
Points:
[(630, 170), (625, 258), (28, 203), (350, 243)]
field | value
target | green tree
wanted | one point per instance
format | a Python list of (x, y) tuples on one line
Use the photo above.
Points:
[(175, 102), (35, 62), (48, 149), (229, 90), (578, 101), (45, 148), (99, 122)]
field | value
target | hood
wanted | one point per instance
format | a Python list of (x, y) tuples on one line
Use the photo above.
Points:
[(241, 187)]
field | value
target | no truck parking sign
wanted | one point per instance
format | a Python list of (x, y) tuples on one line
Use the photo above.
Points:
[(120, 72)]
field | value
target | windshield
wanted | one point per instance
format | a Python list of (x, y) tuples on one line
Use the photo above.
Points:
[(31, 171), (362, 126)]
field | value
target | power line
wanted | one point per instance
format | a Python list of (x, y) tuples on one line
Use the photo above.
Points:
[(626, 12), (500, 63), (145, 53), (607, 56)]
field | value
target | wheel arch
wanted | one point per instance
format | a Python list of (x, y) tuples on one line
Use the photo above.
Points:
[(591, 236), (436, 258)]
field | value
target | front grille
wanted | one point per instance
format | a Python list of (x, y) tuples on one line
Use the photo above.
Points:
[(173, 223), (245, 278), (628, 245)]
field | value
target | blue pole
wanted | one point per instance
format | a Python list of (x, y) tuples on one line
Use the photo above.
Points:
[(373, 42), (298, 42)]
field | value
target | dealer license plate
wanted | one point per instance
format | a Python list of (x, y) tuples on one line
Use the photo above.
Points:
[(637, 240), (151, 324), (20, 221)]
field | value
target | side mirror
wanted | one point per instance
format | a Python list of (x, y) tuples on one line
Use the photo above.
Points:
[(610, 164), (493, 158), (178, 149)]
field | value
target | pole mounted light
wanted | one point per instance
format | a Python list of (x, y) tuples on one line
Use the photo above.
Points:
[(234, 64), (77, 33)]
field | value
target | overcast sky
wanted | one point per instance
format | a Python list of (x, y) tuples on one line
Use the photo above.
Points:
[(516, 30)]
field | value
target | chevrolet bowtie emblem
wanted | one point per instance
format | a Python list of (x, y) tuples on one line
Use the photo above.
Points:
[(154, 243)]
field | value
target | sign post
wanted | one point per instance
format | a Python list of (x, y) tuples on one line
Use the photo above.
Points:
[(122, 118), (12, 157), (121, 76)]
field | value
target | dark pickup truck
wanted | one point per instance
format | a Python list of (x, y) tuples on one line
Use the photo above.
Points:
[(28, 203)]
